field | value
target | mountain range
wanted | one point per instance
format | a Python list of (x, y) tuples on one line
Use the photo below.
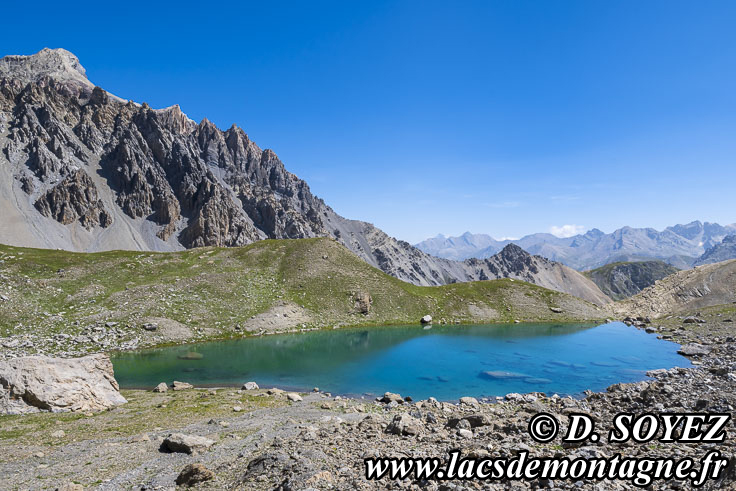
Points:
[(84, 170), (679, 245)]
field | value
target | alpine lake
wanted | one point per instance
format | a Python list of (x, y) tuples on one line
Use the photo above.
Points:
[(446, 362)]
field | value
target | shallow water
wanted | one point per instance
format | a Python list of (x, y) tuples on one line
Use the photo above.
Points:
[(446, 362)]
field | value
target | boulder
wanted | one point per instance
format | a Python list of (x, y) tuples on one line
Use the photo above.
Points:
[(194, 474), (694, 349), (294, 397), (427, 319), (40, 383), (556, 310), (404, 424), (390, 397), (181, 385), (162, 387), (178, 442), (470, 401), (250, 386)]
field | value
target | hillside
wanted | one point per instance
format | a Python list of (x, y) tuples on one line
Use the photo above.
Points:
[(623, 280), (57, 301), (685, 291)]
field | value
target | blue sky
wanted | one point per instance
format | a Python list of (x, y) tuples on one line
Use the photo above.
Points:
[(506, 117)]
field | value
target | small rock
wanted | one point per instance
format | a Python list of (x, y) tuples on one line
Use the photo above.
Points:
[(58, 434), (294, 397), (427, 319), (193, 474), (162, 387), (237, 409), (556, 310), (464, 433), (150, 326), (250, 386)]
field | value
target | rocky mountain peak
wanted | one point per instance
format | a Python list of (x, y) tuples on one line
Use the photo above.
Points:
[(512, 252), (58, 64)]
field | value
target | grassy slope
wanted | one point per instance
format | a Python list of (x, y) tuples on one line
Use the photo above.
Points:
[(216, 292)]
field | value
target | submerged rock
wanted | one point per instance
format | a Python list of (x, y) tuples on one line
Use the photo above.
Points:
[(41, 383), (191, 355)]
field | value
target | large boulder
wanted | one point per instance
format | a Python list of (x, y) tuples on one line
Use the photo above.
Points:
[(40, 383), (191, 444)]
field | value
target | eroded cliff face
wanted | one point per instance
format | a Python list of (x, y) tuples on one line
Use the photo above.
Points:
[(81, 169)]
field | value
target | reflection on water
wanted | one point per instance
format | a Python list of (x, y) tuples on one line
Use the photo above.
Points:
[(446, 362)]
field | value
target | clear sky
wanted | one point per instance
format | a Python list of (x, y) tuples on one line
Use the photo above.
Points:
[(506, 117)]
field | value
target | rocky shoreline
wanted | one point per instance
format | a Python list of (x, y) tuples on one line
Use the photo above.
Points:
[(268, 439)]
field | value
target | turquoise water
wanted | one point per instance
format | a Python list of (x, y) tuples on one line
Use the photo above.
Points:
[(446, 362)]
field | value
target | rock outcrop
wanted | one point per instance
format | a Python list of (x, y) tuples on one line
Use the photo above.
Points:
[(83, 170), (622, 280), (39, 383)]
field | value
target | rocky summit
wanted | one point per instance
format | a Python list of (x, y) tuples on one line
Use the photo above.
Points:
[(84, 170)]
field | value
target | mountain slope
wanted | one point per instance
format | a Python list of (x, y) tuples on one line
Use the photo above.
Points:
[(685, 291), (622, 280), (102, 300), (720, 252), (678, 245), (83, 170)]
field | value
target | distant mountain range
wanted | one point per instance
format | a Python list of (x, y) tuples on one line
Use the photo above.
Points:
[(680, 245)]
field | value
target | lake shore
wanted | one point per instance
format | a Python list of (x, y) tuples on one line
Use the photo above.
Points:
[(264, 440)]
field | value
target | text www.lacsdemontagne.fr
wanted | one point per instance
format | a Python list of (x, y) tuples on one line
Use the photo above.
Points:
[(639, 471)]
